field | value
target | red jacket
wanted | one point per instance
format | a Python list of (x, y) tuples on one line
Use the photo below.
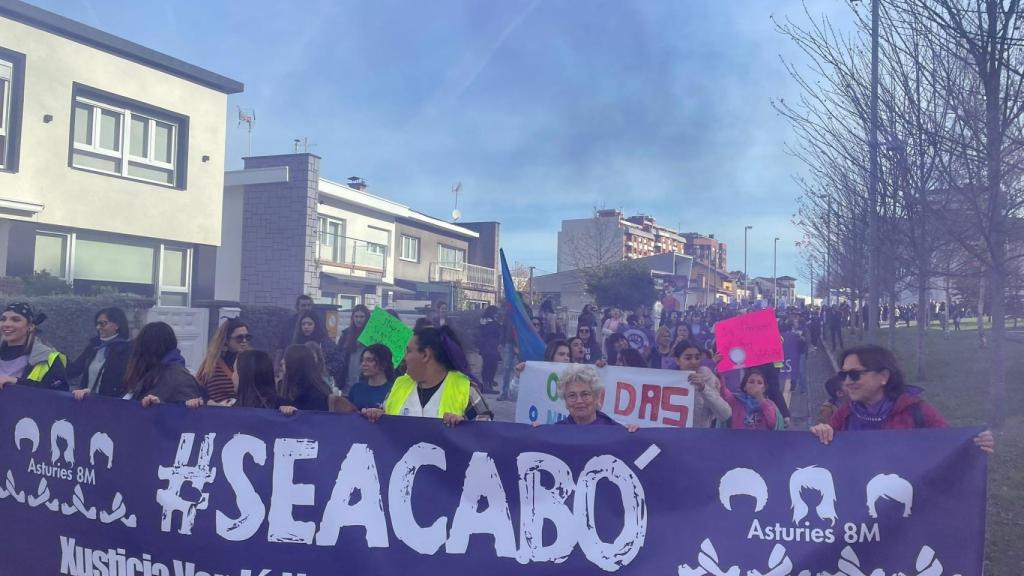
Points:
[(902, 417)]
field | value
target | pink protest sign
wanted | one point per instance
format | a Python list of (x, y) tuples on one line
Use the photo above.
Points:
[(749, 340)]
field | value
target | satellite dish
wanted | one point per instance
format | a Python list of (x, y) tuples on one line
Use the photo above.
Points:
[(456, 214)]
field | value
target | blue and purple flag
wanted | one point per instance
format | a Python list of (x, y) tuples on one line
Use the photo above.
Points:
[(531, 346)]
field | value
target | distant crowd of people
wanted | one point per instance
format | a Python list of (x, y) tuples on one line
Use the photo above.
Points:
[(309, 370)]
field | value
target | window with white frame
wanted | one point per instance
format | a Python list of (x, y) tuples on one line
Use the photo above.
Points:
[(114, 138), (175, 268), (6, 83), (332, 239), (451, 257), (410, 248), (52, 254), (93, 263)]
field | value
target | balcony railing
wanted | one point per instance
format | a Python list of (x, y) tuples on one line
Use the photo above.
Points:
[(467, 274), (354, 253)]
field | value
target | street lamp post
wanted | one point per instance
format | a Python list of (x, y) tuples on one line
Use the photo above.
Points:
[(775, 273), (746, 279), (873, 279)]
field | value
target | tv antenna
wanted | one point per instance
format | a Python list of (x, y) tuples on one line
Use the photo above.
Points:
[(249, 119), (456, 213), (302, 145)]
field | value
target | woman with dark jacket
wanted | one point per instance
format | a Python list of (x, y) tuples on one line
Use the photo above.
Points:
[(351, 349), (591, 345), (490, 337), (303, 385), (587, 317), (156, 370), (310, 330), (24, 359), (100, 367)]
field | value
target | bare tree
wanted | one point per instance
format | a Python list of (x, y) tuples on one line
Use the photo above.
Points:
[(592, 243)]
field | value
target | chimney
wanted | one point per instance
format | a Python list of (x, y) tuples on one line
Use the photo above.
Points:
[(357, 183)]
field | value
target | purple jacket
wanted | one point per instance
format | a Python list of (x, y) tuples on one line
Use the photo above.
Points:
[(602, 419)]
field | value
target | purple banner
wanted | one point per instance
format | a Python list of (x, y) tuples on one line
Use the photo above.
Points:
[(104, 487)]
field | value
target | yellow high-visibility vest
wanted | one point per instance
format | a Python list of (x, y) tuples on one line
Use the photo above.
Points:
[(454, 397)]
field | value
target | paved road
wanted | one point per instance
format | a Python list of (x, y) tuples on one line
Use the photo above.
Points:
[(804, 407)]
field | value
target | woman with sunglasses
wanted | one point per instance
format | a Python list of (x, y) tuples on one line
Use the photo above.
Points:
[(101, 366), (591, 346), (216, 373), (880, 399)]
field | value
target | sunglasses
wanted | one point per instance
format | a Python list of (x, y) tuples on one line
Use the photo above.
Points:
[(242, 338), (853, 375)]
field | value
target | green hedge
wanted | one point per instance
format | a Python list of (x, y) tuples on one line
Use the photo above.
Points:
[(69, 323), (266, 323)]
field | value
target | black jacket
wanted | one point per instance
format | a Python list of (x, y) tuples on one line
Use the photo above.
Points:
[(172, 384), (111, 375)]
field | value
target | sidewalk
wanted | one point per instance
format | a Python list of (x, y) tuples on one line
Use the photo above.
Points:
[(804, 407)]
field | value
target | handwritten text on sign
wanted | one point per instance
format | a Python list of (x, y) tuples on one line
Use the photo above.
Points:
[(386, 329), (649, 398), (749, 340)]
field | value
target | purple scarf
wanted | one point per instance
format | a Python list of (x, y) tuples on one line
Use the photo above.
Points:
[(869, 416)]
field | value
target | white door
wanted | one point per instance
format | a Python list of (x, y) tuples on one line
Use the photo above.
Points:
[(191, 326)]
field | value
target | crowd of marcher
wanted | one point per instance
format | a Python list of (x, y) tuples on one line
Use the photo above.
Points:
[(309, 370)]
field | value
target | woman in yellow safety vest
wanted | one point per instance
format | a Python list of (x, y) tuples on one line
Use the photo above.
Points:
[(436, 383), (23, 358)]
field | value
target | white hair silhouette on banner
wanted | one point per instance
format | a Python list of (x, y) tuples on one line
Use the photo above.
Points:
[(26, 429), (890, 487), (813, 478), (742, 482), (63, 430)]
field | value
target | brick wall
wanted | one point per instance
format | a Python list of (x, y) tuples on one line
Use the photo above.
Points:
[(279, 233)]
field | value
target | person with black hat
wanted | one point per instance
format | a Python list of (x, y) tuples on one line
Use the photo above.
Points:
[(24, 359)]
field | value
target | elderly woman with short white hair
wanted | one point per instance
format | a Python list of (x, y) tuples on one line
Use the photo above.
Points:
[(583, 391)]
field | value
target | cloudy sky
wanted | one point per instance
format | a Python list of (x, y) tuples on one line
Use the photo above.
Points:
[(543, 109)]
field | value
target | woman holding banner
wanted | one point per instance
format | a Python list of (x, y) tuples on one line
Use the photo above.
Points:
[(216, 373), (583, 392), (24, 359), (436, 383), (302, 383), (378, 377), (310, 329), (708, 404), (880, 399), (156, 370)]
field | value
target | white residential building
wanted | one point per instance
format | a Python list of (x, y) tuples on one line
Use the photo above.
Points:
[(111, 160)]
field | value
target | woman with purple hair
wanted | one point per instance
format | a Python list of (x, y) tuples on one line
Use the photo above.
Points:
[(437, 382)]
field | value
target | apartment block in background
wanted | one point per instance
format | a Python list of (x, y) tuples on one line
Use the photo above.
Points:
[(289, 231)]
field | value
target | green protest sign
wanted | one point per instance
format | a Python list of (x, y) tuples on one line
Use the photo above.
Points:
[(383, 328)]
